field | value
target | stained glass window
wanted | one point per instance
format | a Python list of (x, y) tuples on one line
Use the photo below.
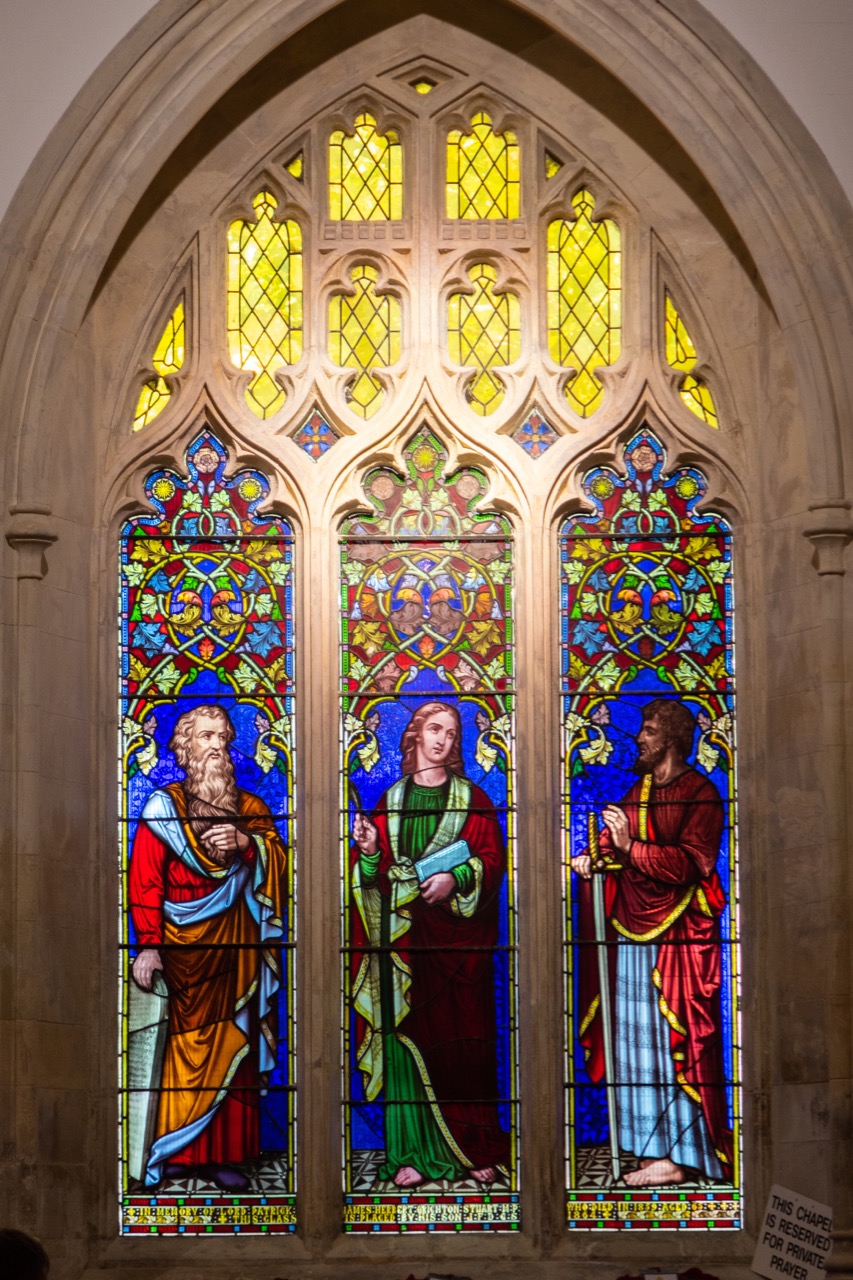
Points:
[(264, 301), (483, 172), (584, 300), (168, 358), (652, 976), (681, 354), (365, 174), (207, 856), (428, 827), (535, 435), (484, 332), (364, 334)]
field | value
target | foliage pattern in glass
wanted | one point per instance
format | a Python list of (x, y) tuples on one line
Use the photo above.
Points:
[(652, 977), (429, 1015), (483, 172), (168, 358), (584, 299), (365, 174), (681, 354), (207, 1111), (364, 334), (264, 301), (484, 332)]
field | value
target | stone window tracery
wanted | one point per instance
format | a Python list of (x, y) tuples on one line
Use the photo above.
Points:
[(423, 277)]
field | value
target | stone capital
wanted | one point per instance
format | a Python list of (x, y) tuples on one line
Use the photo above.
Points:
[(830, 533), (30, 531)]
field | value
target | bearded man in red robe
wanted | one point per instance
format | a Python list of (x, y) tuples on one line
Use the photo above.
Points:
[(424, 980), (663, 902), (207, 883)]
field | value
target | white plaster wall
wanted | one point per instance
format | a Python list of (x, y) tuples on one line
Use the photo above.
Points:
[(49, 48)]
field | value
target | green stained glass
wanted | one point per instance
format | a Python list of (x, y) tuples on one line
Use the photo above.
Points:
[(264, 301), (168, 358), (364, 334), (681, 355), (584, 299), (483, 172), (365, 174), (484, 332)]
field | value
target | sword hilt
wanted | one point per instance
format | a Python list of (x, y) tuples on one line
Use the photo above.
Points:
[(592, 838)]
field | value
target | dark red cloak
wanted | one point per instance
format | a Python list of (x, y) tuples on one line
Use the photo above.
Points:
[(668, 893)]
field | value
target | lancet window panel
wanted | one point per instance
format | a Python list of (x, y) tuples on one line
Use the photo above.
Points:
[(365, 173), (206, 845), (483, 172), (484, 333), (168, 357), (681, 355), (584, 300), (365, 334), (265, 301), (650, 838), (428, 838)]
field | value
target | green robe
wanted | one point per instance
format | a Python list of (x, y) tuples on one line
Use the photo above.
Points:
[(412, 1136)]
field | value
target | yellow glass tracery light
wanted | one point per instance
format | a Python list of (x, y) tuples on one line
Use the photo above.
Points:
[(264, 301), (296, 166), (584, 299), (168, 358), (364, 334), (483, 172), (365, 174), (552, 165), (681, 355), (484, 332)]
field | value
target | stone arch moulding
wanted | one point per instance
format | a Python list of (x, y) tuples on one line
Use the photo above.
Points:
[(770, 181), (769, 193)]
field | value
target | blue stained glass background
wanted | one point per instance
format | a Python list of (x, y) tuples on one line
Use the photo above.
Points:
[(364, 792)]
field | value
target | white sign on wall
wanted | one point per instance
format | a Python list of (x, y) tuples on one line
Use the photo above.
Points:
[(795, 1237)]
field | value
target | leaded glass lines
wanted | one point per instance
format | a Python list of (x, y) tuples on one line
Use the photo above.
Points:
[(650, 841), (681, 355), (483, 172), (428, 833), (584, 300), (168, 358), (365, 173), (364, 334), (207, 841), (264, 301), (484, 332)]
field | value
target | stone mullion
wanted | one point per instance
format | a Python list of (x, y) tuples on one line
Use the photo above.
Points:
[(318, 1002), (539, 881)]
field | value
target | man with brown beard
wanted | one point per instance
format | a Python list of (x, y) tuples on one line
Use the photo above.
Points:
[(663, 902), (207, 885)]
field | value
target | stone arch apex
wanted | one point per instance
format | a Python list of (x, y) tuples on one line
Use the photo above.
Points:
[(674, 58)]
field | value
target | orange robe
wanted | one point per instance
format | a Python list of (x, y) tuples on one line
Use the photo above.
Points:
[(218, 931)]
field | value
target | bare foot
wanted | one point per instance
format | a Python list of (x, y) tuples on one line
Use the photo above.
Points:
[(655, 1173), (484, 1175), (407, 1177)]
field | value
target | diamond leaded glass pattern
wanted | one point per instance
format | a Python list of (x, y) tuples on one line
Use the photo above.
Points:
[(681, 354), (168, 358), (264, 301), (364, 334), (365, 174), (584, 299), (484, 332), (483, 172)]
